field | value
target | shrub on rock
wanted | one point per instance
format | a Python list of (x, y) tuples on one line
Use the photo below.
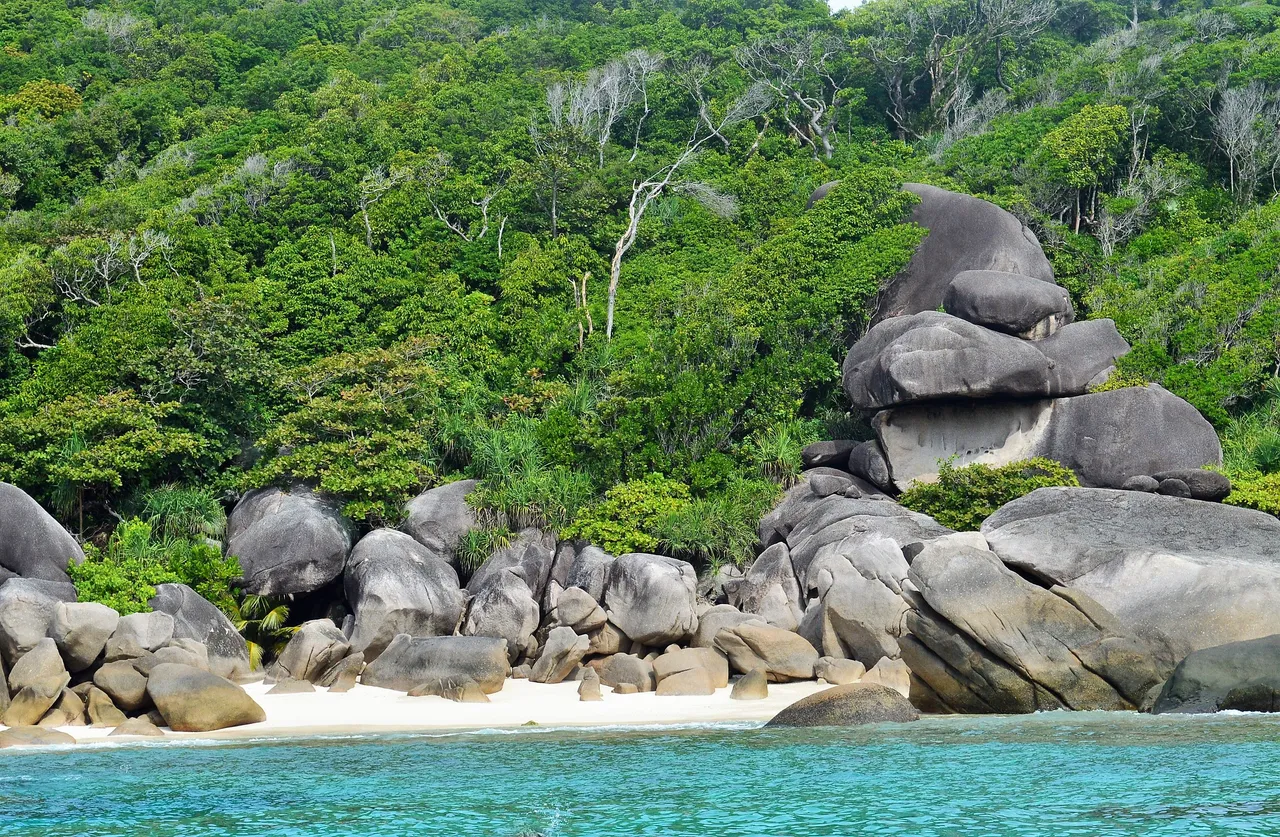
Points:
[(964, 497)]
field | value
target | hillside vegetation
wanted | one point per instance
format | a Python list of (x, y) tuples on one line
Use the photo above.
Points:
[(564, 248)]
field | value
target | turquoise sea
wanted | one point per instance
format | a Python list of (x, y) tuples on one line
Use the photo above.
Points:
[(1091, 774)]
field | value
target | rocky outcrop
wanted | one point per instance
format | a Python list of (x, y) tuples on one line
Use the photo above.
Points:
[(27, 609), (506, 592), (769, 590), (398, 586), (32, 544), (1244, 676), (846, 706), (589, 571), (191, 700), (313, 649), (197, 619), (1202, 574), (288, 541), (651, 598), (81, 630), (439, 517), (782, 655), (408, 661)]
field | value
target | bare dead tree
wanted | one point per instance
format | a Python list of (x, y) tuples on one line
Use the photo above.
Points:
[(1238, 132), (374, 186), (1134, 204), (641, 66), (434, 171), (141, 248), (799, 69)]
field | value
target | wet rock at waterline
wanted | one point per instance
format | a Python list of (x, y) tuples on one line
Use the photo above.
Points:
[(851, 705)]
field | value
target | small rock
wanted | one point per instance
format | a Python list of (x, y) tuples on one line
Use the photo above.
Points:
[(291, 687), (825, 485), (521, 672), (753, 685), (839, 672), (628, 668), (827, 454), (1203, 484), (693, 681), (342, 675), (856, 703), (589, 688), (625, 689), (892, 674), (137, 726), (1174, 488)]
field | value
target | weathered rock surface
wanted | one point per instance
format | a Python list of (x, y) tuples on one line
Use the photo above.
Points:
[(409, 661), (315, 648), (147, 631), (867, 461), (589, 571), (839, 672), (1243, 676), (342, 675), (26, 613), (1203, 574), (102, 712), (41, 667), (589, 688), (195, 618), (965, 233), (81, 630), (1008, 302), (690, 682), (844, 706), (188, 652), (398, 586), (782, 654), (506, 591), (858, 612), (1201, 484), (439, 517), (834, 454), (711, 620), (753, 685), (288, 542), (674, 662), (290, 686), (124, 684), (769, 590), (32, 736), (191, 700), (562, 653), (140, 727), (1105, 437), (464, 690), (892, 674), (628, 668), (32, 544), (575, 608), (651, 598)]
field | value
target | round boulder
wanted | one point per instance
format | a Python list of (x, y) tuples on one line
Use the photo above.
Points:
[(439, 517), (1008, 302), (81, 630), (32, 544), (288, 542), (846, 706), (191, 700), (27, 608), (651, 598)]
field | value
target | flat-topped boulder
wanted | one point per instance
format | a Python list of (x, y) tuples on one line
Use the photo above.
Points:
[(409, 661), (398, 586), (1009, 302), (32, 544), (291, 541), (1204, 574)]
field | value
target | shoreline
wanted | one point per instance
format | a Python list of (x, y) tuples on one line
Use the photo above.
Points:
[(369, 710)]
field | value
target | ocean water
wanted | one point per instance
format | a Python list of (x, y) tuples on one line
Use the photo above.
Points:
[(1091, 774)]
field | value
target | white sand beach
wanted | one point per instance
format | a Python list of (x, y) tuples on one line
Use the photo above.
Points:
[(367, 709)]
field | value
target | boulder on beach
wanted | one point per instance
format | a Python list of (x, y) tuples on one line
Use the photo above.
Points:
[(462, 690), (32, 544), (839, 672), (439, 517), (753, 685), (140, 727), (711, 620), (622, 669), (312, 650), (126, 686), (81, 631), (506, 591), (26, 613), (36, 682), (398, 586), (674, 662), (291, 541), (782, 654), (561, 654), (197, 619), (191, 700), (690, 682), (1244, 676), (845, 706), (652, 598), (32, 736), (101, 710), (575, 608), (409, 661)]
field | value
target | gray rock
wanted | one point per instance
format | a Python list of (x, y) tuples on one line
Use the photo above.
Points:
[(1201, 484), (124, 684), (529, 557), (439, 517), (1141, 483), (147, 631), (824, 485), (1082, 355), (844, 706), (796, 504), (191, 700), (629, 669), (1105, 437), (1243, 676), (769, 590), (409, 661), (288, 542), (589, 571), (188, 652), (607, 640), (1203, 574), (1009, 302), (830, 454), (965, 233), (27, 609), (504, 608), (81, 630), (562, 653), (711, 620), (751, 686), (867, 461), (342, 675), (290, 686), (195, 618), (782, 654), (462, 690), (398, 586), (674, 662), (32, 544), (139, 727), (576, 609), (1174, 488), (690, 682), (651, 598), (40, 668), (314, 649)]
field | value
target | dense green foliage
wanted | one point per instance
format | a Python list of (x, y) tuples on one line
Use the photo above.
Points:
[(564, 248), (964, 497)]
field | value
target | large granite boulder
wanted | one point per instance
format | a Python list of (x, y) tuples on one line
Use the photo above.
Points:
[(505, 608), (409, 661), (965, 233), (868, 462), (32, 736), (529, 558), (1008, 302), (398, 586), (288, 541), (576, 609), (1203, 574), (983, 638), (710, 660), (769, 589), (312, 650), (32, 544), (439, 517), (1244, 676), (191, 700), (27, 608), (81, 630), (933, 356), (652, 598), (125, 684), (717, 617), (782, 655), (833, 454), (42, 668), (561, 654), (195, 618), (846, 706), (858, 612), (1105, 437), (140, 631), (619, 669), (589, 570)]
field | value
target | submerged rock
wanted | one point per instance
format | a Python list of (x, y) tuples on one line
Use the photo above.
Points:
[(1244, 676)]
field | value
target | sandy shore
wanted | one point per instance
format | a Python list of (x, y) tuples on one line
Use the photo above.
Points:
[(366, 709)]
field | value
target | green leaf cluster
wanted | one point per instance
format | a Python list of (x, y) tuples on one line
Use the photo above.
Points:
[(962, 498)]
